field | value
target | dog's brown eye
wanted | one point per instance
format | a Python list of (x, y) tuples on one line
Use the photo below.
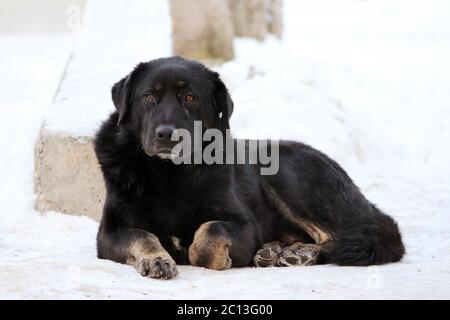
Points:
[(190, 98), (150, 98)]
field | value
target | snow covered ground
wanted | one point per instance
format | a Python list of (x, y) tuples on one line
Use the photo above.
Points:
[(368, 82)]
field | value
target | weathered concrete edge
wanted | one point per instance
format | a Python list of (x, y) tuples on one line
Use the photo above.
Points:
[(68, 178)]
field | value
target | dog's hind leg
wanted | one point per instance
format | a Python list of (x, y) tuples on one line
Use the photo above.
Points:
[(298, 253), (345, 227), (273, 254), (268, 255)]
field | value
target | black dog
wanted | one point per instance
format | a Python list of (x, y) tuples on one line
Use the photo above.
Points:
[(217, 216)]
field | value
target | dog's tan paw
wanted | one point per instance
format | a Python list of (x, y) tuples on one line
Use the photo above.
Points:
[(158, 268), (211, 247)]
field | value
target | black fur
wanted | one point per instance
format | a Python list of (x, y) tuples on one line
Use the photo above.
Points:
[(148, 194)]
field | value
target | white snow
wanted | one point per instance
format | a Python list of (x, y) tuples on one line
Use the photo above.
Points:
[(365, 81), (116, 36)]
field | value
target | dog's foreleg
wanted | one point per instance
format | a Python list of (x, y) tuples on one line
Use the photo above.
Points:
[(219, 245), (138, 248)]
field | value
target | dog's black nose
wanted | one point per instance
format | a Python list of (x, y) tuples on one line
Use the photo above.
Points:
[(164, 132)]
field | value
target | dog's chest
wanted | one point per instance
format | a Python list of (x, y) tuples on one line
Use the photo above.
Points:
[(176, 202), (174, 214)]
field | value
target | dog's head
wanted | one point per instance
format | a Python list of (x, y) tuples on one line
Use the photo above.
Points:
[(163, 95)]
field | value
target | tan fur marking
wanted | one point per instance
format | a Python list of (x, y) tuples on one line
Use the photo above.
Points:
[(150, 259), (212, 247), (146, 248), (318, 234), (176, 243)]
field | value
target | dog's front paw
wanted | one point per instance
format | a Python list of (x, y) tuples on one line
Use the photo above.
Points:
[(157, 267), (211, 247)]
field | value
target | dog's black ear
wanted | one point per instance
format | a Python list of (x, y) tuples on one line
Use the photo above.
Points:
[(223, 102), (121, 92)]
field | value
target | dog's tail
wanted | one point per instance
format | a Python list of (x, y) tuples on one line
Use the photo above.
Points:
[(373, 244)]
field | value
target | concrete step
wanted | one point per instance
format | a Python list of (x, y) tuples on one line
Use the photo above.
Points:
[(68, 178)]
